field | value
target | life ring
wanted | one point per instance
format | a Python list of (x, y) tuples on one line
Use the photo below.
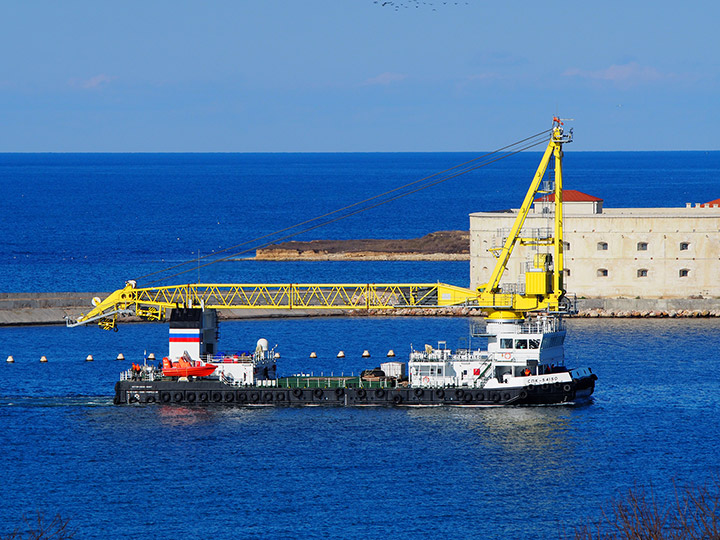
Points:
[(150, 399), (397, 399), (178, 397), (339, 392), (318, 393), (507, 396), (380, 393), (229, 397), (280, 396), (567, 388), (523, 394), (203, 396), (440, 393), (254, 397), (480, 396), (241, 397), (426, 379), (268, 397), (507, 356), (419, 392), (191, 397), (496, 397), (217, 397), (297, 392), (361, 393), (459, 393), (165, 397), (468, 398)]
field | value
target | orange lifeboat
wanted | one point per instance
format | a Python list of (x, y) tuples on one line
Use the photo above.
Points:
[(185, 367)]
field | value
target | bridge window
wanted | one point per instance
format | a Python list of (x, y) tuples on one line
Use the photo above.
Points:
[(602, 246), (521, 344), (642, 272), (642, 246), (506, 343), (684, 272), (602, 272), (534, 343)]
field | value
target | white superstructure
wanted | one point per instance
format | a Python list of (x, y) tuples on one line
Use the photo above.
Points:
[(518, 354)]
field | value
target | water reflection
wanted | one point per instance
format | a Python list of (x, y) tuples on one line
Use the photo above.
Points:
[(175, 415)]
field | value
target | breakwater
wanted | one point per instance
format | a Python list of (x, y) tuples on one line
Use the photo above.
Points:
[(21, 309)]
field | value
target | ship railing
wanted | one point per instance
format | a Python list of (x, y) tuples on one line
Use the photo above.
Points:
[(537, 325), (336, 382), (142, 375)]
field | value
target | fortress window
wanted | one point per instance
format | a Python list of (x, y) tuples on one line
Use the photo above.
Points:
[(602, 246), (602, 272), (566, 246), (684, 272), (642, 272), (684, 246), (642, 246), (567, 271)]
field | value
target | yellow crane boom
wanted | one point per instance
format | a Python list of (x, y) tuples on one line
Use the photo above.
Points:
[(543, 281), (151, 303)]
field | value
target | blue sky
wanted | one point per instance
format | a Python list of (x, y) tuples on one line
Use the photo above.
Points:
[(354, 75)]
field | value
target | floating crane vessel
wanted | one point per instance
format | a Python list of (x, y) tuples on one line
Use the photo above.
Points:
[(523, 363)]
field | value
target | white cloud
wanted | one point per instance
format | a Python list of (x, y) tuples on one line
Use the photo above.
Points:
[(488, 76), (93, 82), (385, 78), (631, 73)]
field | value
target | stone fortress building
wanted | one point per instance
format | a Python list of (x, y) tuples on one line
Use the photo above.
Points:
[(612, 252)]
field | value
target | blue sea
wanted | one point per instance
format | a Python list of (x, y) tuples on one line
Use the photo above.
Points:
[(77, 222)]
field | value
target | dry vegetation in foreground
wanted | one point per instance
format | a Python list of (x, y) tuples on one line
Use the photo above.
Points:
[(41, 528), (693, 515)]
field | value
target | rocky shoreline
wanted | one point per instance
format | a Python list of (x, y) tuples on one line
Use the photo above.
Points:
[(437, 246), (26, 309), (584, 313)]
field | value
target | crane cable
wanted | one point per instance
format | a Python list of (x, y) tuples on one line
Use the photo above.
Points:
[(414, 185)]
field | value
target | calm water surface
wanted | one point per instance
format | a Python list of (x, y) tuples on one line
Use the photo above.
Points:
[(209, 472), (88, 222)]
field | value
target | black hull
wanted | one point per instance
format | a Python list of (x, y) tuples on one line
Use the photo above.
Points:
[(212, 392)]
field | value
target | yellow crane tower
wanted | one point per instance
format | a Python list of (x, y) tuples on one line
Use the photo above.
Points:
[(543, 279)]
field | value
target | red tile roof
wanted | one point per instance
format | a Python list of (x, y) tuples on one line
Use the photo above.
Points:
[(711, 203), (570, 195)]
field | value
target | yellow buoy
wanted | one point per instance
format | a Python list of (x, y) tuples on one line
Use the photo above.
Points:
[(43, 359), (89, 358), (391, 353), (366, 354), (341, 354), (120, 356), (10, 360), (313, 355)]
